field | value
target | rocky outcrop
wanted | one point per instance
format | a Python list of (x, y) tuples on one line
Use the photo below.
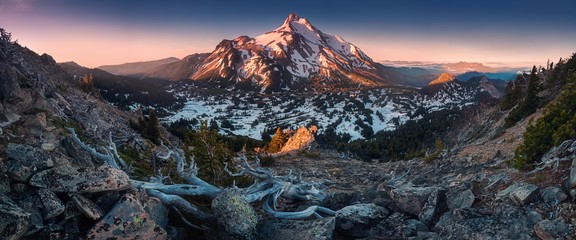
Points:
[(81, 180), (443, 78), (300, 140)]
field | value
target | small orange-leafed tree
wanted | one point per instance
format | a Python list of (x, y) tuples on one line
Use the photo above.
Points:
[(87, 83), (277, 142)]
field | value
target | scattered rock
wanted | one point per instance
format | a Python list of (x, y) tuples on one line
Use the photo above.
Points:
[(33, 205), (551, 229), (319, 229), (52, 204), (4, 183), (391, 227), (463, 199), (86, 206), (36, 124), (127, 220), (411, 199), (425, 236), (13, 220), (71, 211), (524, 195), (506, 192), (236, 218), (19, 187), (108, 200), (572, 179), (356, 220), (434, 208), (553, 195), (25, 161), (507, 222), (81, 180), (412, 227), (428, 203)]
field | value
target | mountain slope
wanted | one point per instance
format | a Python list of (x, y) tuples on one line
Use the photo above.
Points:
[(125, 92), (292, 56), (136, 68), (183, 69), (443, 78)]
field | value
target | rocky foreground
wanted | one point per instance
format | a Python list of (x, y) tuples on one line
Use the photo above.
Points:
[(456, 198)]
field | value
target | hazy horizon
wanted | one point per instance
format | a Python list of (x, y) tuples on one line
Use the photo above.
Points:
[(94, 33)]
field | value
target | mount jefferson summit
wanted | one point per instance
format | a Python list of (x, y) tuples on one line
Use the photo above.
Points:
[(293, 56)]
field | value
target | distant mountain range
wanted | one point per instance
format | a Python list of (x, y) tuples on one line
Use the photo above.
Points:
[(463, 71), (298, 56), (136, 68)]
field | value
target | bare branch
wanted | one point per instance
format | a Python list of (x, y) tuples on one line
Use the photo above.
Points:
[(312, 210), (112, 147), (106, 157), (181, 203)]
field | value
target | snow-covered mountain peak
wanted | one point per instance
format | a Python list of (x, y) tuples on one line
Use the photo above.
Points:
[(288, 57)]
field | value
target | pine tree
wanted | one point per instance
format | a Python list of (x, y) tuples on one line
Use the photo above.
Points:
[(152, 127), (210, 154)]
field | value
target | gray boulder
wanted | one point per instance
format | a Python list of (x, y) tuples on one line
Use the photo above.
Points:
[(86, 206), (463, 199), (236, 218), (553, 195), (434, 208), (81, 180), (52, 204), (127, 220), (411, 199), (551, 229), (524, 195), (24, 161), (13, 220), (428, 203), (357, 220), (319, 229)]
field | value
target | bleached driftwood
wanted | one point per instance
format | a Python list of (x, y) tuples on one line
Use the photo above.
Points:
[(267, 185)]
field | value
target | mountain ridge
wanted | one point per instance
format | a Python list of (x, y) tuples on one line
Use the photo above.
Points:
[(136, 68)]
